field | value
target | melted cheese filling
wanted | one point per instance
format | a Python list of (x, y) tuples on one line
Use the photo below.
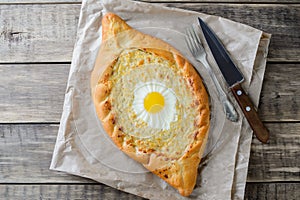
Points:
[(134, 67)]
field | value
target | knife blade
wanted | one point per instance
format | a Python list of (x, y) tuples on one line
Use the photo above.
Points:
[(234, 78)]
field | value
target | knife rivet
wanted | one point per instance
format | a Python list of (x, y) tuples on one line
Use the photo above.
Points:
[(248, 108), (239, 92)]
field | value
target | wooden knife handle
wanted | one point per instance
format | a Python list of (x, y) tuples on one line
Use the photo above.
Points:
[(250, 113)]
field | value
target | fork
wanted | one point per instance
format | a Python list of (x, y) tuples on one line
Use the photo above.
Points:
[(195, 46)]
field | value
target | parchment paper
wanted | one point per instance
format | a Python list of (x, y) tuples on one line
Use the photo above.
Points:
[(82, 148)]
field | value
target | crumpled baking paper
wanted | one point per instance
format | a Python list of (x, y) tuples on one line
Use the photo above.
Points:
[(83, 148)]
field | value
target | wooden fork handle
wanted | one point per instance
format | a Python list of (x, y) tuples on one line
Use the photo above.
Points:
[(250, 113)]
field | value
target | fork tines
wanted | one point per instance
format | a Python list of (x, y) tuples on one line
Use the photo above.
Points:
[(193, 40)]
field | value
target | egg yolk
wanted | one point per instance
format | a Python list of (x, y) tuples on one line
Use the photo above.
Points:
[(154, 102)]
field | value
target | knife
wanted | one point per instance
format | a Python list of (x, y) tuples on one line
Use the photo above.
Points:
[(234, 78)]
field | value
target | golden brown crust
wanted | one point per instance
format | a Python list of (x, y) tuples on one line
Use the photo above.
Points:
[(112, 25), (180, 173)]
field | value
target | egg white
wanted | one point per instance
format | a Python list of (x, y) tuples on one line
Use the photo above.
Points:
[(162, 119)]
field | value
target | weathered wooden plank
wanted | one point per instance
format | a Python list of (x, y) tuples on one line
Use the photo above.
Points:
[(38, 32), (32, 93), (27, 29), (280, 96), (38, 1), (95, 191), (150, 1), (254, 191), (282, 21), (272, 191), (226, 1), (277, 160), (35, 92), (26, 152)]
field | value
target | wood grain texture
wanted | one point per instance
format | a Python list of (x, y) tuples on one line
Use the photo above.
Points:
[(32, 93), (38, 33), (254, 191), (45, 31), (27, 29), (38, 1), (280, 96), (150, 1), (277, 160), (282, 21), (26, 152), (95, 191), (35, 92), (272, 191)]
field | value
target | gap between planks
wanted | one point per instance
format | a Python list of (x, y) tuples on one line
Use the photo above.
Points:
[(23, 38), (12, 2), (29, 148), (24, 99)]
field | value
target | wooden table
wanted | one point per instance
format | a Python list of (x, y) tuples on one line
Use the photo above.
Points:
[(36, 43)]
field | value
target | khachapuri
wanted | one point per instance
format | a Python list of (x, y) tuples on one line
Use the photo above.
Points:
[(151, 102)]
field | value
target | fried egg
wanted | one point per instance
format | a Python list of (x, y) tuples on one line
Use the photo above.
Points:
[(155, 104)]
